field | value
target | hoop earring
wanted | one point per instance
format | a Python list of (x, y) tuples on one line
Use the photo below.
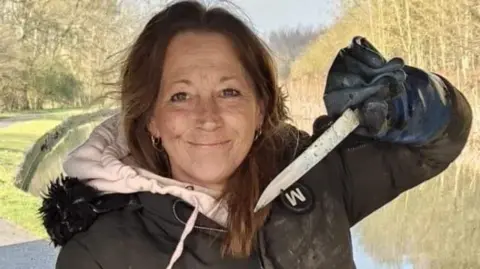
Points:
[(258, 133), (156, 143)]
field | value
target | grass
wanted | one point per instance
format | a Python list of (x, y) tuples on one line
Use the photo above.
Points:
[(17, 206), (43, 111), (54, 113)]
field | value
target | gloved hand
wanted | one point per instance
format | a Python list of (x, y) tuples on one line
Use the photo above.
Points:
[(397, 103)]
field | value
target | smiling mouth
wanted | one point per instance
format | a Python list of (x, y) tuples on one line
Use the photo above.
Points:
[(214, 144)]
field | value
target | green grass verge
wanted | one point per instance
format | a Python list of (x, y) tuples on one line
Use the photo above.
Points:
[(16, 206), (43, 111)]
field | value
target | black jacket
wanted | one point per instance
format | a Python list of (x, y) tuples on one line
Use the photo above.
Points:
[(358, 177)]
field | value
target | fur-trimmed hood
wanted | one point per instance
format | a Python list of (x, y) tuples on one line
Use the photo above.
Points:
[(70, 206)]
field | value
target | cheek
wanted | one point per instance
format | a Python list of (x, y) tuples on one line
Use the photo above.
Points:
[(171, 124), (243, 119)]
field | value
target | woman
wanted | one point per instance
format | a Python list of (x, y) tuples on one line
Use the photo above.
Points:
[(172, 181)]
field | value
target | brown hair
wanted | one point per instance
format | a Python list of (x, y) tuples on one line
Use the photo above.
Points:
[(139, 88)]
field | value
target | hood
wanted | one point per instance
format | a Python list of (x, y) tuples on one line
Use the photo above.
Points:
[(103, 165)]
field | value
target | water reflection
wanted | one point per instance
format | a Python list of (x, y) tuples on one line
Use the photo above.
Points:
[(363, 260), (51, 165), (435, 226)]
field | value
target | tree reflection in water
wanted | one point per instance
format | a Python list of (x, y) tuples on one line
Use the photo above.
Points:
[(434, 226)]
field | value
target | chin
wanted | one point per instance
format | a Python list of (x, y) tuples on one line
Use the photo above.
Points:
[(211, 174), (211, 178)]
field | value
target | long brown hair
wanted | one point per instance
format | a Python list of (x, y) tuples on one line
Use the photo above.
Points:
[(139, 88)]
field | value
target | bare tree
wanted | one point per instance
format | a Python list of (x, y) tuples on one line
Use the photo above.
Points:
[(56, 50), (288, 44)]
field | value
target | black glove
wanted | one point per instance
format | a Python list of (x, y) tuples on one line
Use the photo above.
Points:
[(393, 105)]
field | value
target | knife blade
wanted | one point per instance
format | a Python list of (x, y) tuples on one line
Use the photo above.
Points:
[(320, 148)]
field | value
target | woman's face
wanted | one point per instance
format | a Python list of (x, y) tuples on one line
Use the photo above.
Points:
[(207, 112)]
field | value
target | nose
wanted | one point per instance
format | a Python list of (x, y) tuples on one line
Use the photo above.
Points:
[(208, 114)]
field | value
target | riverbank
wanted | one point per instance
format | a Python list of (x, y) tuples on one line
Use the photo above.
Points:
[(19, 208)]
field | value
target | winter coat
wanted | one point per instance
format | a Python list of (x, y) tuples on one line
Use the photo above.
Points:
[(308, 227)]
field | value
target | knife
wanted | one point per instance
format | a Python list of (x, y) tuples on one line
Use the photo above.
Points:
[(323, 145)]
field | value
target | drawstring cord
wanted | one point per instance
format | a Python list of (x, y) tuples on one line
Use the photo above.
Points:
[(188, 228)]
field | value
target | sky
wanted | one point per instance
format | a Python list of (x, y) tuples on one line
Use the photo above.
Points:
[(267, 15)]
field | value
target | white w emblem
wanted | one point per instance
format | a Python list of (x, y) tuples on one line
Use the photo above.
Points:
[(295, 195)]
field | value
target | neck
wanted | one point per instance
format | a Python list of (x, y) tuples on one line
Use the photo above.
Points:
[(213, 186)]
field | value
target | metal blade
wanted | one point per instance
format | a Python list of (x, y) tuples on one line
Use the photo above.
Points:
[(325, 143)]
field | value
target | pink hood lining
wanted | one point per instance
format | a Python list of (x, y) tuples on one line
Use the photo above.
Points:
[(103, 162)]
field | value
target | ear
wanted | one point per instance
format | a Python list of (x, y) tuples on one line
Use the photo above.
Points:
[(152, 128), (260, 114)]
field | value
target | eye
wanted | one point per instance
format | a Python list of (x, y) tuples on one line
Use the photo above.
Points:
[(230, 92), (179, 97)]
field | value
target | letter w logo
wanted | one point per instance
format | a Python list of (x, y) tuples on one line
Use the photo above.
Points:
[(295, 195)]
